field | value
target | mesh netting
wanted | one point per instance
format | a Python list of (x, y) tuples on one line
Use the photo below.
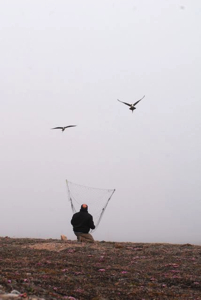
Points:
[(96, 199)]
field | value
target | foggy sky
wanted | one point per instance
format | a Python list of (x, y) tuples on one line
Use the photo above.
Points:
[(67, 62)]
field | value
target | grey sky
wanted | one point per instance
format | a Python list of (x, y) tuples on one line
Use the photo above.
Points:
[(67, 62)]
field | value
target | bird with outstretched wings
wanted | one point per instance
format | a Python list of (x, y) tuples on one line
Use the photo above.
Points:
[(63, 128), (131, 106)]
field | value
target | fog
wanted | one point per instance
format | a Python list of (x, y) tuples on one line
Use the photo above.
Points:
[(67, 62)]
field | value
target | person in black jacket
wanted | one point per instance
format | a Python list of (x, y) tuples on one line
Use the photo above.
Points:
[(82, 222)]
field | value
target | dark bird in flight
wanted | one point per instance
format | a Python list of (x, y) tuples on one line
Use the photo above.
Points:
[(63, 128), (132, 106)]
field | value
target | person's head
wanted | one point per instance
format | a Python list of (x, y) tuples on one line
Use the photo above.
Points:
[(84, 207)]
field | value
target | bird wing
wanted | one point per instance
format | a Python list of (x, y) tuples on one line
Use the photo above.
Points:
[(70, 126), (124, 102), (138, 101), (57, 128)]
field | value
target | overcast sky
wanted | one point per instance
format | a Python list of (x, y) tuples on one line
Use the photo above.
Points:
[(67, 62)]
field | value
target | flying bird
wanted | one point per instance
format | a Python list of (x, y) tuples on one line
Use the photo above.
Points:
[(132, 106), (63, 128)]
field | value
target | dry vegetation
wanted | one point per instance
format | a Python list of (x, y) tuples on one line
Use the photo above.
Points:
[(54, 269)]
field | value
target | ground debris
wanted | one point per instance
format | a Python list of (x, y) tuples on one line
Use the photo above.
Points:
[(37, 269)]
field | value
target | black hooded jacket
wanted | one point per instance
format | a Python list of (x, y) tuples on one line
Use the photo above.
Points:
[(82, 221)]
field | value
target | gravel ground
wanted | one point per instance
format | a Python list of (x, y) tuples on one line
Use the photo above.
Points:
[(55, 269)]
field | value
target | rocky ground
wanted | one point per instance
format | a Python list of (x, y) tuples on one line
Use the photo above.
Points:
[(55, 269)]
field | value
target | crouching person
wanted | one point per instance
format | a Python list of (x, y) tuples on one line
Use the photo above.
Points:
[(82, 222)]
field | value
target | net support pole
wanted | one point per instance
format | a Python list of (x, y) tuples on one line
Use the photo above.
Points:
[(103, 210), (71, 202)]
